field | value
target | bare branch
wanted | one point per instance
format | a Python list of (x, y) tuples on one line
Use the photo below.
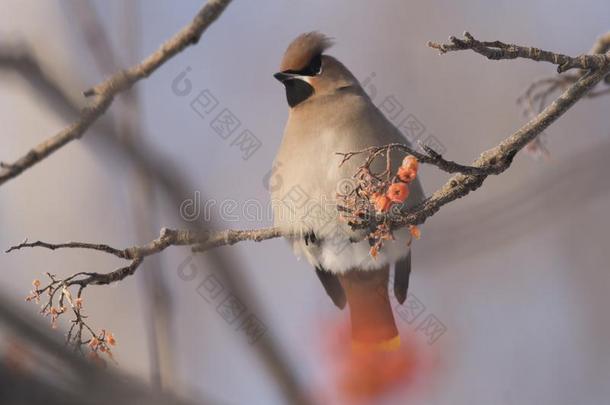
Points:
[(119, 82), (168, 237), (458, 186), (470, 178), (430, 157), (497, 50), (76, 245), (462, 184), (231, 237), (536, 95)]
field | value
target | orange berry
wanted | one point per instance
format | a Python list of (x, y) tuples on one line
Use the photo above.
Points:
[(110, 339), (398, 192), (382, 203), (406, 174), (410, 162), (94, 342), (415, 232)]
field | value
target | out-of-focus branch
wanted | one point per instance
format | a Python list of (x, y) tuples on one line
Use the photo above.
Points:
[(106, 91), (36, 367), (15, 57), (155, 291), (176, 187), (476, 225)]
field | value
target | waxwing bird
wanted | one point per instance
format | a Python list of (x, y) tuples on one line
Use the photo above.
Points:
[(330, 112)]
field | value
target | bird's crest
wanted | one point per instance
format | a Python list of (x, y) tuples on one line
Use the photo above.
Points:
[(303, 49)]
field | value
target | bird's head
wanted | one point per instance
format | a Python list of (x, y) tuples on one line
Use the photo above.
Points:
[(307, 72)]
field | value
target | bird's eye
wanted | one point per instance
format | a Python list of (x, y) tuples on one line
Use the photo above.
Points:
[(314, 67)]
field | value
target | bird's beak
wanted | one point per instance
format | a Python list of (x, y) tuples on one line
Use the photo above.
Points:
[(282, 76), (285, 76)]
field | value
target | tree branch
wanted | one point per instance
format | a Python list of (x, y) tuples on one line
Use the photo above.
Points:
[(462, 184), (167, 237), (136, 254), (108, 89), (469, 178), (496, 50), (536, 95)]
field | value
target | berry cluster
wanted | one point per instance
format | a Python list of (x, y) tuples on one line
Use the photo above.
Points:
[(368, 205), (397, 192), (60, 300)]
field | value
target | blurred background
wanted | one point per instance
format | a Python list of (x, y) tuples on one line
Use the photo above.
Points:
[(515, 276)]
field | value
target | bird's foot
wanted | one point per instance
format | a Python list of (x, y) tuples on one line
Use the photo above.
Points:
[(310, 237)]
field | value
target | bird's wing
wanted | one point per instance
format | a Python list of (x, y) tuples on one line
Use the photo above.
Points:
[(402, 271), (332, 286)]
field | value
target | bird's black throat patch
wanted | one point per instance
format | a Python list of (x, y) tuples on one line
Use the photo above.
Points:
[(297, 91)]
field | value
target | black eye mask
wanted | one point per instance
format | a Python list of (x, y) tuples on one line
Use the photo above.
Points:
[(297, 91)]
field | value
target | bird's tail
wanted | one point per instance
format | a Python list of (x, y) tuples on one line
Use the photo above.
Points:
[(373, 325)]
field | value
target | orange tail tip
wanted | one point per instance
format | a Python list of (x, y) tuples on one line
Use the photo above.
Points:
[(372, 320)]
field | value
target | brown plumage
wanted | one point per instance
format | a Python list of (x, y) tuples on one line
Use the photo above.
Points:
[(330, 112), (304, 48)]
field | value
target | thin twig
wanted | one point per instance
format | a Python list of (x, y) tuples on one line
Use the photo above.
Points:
[(496, 50), (74, 245), (168, 237), (430, 157), (536, 95), (495, 161)]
